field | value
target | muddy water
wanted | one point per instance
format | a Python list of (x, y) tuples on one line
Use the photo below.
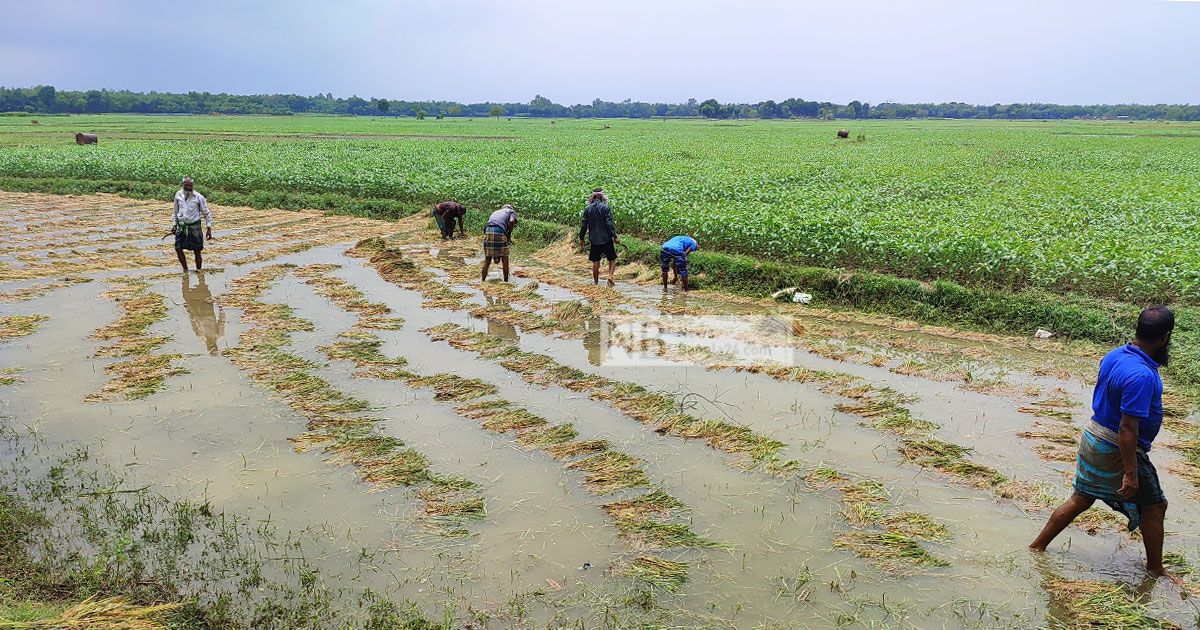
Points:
[(214, 434)]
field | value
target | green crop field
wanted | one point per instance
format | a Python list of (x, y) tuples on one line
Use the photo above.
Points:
[(1104, 209)]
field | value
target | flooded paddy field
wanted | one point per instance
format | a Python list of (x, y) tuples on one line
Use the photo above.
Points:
[(384, 428)]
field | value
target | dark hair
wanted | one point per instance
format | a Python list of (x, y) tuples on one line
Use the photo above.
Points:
[(1155, 323)]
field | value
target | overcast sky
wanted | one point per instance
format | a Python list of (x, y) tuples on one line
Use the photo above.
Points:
[(1064, 51)]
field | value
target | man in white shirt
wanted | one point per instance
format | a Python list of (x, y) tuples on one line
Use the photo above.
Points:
[(190, 207)]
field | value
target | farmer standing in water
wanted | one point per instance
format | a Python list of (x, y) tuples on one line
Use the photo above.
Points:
[(597, 227), (190, 206), (674, 254), (1112, 465), (497, 237)]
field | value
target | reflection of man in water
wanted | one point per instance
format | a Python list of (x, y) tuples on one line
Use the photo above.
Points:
[(593, 341), (206, 322), (503, 330)]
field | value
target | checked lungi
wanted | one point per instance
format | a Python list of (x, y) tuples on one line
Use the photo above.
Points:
[(495, 243), (189, 236), (1099, 471)]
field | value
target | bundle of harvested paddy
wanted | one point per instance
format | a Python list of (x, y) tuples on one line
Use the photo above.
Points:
[(1095, 519), (453, 387), (465, 339), (609, 471), (364, 350), (445, 502), (891, 552), (888, 416), (915, 525), (1047, 409), (569, 313), (654, 533), (137, 377), (949, 458), (1092, 604), (10, 376), (546, 436), (567, 450), (656, 571), (113, 613), (12, 326), (654, 503)]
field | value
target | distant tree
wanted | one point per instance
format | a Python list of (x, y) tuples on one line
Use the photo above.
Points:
[(383, 106), (420, 114), (855, 108), (454, 110), (441, 115), (710, 108), (496, 111)]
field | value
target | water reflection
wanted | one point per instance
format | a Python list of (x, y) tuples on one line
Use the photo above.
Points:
[(673, 302), (593, 341), (208, 319), (503, 330)]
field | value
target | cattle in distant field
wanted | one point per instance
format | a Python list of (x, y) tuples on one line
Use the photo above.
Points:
[(34, 122), (843, 133), (86, 138)]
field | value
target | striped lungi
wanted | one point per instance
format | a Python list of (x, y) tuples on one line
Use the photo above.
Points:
[(495, 243), (1099, 471)]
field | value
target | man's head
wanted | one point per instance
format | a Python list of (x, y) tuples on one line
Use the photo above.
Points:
[(188, 184), (1153, 333)]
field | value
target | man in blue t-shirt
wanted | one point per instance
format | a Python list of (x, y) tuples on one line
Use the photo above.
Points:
[(675, 252), (1127, 413)]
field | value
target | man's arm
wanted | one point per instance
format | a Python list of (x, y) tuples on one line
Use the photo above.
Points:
[(612, 228), (203, 203), (204, 212), (1127, 434), (462, 224), (583, 217)]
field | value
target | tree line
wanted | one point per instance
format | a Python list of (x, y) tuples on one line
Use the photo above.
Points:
[(45, 99)]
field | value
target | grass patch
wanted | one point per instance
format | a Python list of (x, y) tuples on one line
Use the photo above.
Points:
[(824, 475), (576, 448), (1097, 519), (13, 326), (137, 377), (502, 416), (609, 471), (659, 572), (1035, 496), (11, 376), (545, 436), (915, 525), (892, 552), (1092, 604), (452, 387), (888, 416), (655, 533), (655, 503), (950, 459), (1046, 410), (112, 613)]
